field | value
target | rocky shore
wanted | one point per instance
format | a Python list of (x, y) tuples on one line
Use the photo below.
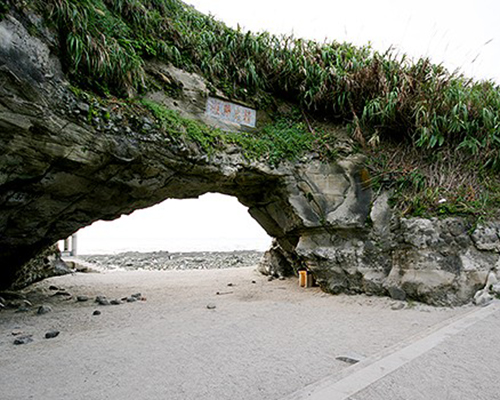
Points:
[(164, 260)]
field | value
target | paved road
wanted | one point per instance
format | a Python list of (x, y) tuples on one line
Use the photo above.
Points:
[(460, 360)]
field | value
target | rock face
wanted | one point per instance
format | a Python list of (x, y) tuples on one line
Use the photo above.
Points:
[(67, 163)]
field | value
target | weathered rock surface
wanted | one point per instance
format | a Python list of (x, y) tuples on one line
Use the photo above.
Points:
[(64, 167)]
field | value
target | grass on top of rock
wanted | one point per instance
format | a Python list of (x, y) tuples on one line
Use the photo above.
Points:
[(286, 137), (104, 44), (384, 97)]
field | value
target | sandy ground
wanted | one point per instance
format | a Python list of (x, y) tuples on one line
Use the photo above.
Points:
[(264, 340)]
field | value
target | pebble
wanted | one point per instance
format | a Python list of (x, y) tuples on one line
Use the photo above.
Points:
[(137, 295), (229, 284), (43, 310), (26, 303), (398, 306), (102, 300), (82, 298), (52, 287), (96, 312), (271, 278), (211, 306), (23, 339), (51, 334), (62, 293), (131, 299), (254, 282), (115, 302), (16, 332), (350, 358)]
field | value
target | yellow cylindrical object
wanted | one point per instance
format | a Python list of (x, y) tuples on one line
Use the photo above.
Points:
[(302, 278)]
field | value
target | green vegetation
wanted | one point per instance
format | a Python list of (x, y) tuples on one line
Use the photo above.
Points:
[(431, 134), (285, 138), (3, 8)]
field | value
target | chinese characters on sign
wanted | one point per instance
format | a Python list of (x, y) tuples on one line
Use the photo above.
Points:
[(224, 110)]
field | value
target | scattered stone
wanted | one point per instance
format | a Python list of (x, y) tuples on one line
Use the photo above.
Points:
[(96, 312), (254, 282), (131, 299), (16, 332), (43, 310), (229, 284), (271, 278), (102, 300), (52, 287), (62, 293), (115, 302), (137, 295), (51, 334), (482, 298), (211, 306), (397, 293), (26, 303), (82, 298), (222, 293), (350, 358), (23, 339), (12, 295), (397, 306)]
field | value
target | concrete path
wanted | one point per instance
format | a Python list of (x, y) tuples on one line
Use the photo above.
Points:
[(458, 360)]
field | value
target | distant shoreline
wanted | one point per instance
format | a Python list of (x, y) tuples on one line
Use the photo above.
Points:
[(165, 260)]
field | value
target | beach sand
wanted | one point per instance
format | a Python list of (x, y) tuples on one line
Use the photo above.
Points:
[(263, 340)]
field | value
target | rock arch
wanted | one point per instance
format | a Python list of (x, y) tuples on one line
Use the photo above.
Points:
[(59, 173)]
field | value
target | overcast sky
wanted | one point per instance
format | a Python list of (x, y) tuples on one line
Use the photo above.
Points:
[(459, 34)]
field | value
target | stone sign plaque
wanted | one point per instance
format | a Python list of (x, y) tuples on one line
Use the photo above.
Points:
[(232, 112)]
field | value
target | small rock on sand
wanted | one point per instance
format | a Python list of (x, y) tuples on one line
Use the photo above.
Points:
[(96, 312), (211, 306), (62, 293), (23, 339), (115, 302), (82, 298), (398, 306), (51, 334), (43, 310), (350, 358), (102, 300)]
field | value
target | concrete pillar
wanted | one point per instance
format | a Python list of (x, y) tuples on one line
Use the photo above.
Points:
[(74, 242)]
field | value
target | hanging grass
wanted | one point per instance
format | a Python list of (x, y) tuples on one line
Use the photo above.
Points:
[(385, 98)]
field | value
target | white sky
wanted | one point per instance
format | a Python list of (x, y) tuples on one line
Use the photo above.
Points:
[(460, 34)]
